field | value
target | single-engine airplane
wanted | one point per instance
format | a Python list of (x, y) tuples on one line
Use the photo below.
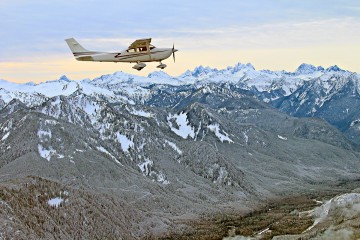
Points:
[(138, 52)]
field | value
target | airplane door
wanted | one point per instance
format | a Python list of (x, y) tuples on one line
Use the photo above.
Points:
[(148, 50)]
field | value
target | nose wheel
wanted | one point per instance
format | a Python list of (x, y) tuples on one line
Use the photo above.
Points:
[(162, 65)]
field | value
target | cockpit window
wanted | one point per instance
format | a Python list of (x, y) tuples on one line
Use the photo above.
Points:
[(140, 49)]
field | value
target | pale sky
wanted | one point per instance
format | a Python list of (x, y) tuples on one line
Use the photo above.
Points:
[(275, 35)]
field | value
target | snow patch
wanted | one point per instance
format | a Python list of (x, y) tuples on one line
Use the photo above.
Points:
[(281, 137), (7, 127), (246, 137), (145, 167), (184, 127), (222, 174), (56, 102), (160, 177), (124, 142), (354, 122), (219, 174), (140, 113), (46, 153), (263, 231), (55, 202), (215, 128), (102, 149), (91, 108), (198, 131), (173, 146), (41, 133), (50, 122), (5, 136)]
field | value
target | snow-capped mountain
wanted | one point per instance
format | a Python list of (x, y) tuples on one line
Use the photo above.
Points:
[(243, 75), (305, 68), (334, 97), (170, 146), (305, 92)]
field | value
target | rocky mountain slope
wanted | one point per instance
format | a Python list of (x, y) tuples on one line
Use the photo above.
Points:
[(335, 217), (157, 150)]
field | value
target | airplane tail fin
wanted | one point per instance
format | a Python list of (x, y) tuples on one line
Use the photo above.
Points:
[(75, 46)]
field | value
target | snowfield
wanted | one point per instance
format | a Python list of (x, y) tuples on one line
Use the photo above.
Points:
[(184, 128)]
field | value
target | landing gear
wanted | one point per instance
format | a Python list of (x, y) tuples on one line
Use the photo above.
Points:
[(139, 66), (162, 65)]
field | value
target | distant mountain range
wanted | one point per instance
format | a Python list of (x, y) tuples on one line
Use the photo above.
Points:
[(331, 94), (157, 149)]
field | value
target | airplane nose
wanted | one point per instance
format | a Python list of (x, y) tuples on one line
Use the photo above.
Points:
[(175, 50)]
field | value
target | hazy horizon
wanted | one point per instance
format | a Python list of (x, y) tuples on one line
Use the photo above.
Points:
[(138, 73)]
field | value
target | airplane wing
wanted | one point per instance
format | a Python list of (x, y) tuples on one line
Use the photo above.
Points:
[(140, 43)]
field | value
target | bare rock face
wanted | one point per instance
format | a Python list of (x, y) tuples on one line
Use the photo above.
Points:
[(117, 157)]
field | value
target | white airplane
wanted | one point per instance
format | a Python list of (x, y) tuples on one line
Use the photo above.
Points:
[(139, 51)]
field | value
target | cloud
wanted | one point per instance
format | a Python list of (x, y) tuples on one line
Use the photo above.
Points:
[(262, 36), (271, 36), (206, 32)]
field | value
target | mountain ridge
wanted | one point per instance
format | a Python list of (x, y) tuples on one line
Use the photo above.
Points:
[(156, 152), (288, 91)]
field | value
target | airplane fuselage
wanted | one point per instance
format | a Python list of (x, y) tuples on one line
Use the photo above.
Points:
[(138, 52), (156, 54)]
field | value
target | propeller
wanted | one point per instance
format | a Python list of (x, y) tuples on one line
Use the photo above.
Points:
[(173, 52)]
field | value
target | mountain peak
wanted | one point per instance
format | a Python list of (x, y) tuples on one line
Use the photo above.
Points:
[(320, 68), (334, 68), (119, 75), (30, 84), (249, 65), (159, 74), (239, 66), (64, 78), (305, 68), (202, 70)]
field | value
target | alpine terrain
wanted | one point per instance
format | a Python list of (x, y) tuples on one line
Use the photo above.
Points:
[(130, 157)]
